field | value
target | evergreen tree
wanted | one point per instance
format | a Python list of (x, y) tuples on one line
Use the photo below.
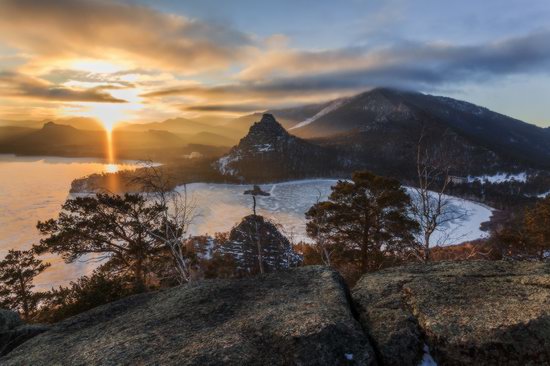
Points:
[(114, 227), (369, 217), (17, 272), (81, 295)]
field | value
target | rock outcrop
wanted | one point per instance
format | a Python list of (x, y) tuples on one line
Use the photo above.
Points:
[(14, 332), (268, 152), (468, 313), (463, 313), (251, 234), (297, 317)]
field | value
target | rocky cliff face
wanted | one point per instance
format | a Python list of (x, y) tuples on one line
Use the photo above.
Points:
[(467, 313), (268, 152)]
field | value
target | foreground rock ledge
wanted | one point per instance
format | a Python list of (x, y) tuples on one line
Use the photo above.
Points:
[(469, 313), (299, 317), (14, 332)]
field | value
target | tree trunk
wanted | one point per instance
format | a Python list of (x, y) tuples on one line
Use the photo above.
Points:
[(427, 256), (327, 256), (259, 244), (139, 275), (24, 299)]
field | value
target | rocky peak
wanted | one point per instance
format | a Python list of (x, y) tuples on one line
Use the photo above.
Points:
[(268, 152), (266, 131), (266, 137), (268, 123)]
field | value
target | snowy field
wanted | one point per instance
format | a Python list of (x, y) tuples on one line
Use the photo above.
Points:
[(221, 206)]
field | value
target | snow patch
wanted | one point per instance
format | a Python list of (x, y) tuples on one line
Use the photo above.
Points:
[(500, 178), (264, 147), (331, 107), (220, 206), (427, 359), (224, 164)]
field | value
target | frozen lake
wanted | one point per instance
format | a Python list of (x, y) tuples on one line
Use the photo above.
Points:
[(34, 188), (221, 206)]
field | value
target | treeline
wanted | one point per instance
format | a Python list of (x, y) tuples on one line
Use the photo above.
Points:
[(508, 195)]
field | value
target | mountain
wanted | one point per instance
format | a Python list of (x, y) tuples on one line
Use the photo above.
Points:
[(57, 140), (381, 128), (64, 140), (268, 152), (193, 130), (10, 132), (81, 123), (22, 123)]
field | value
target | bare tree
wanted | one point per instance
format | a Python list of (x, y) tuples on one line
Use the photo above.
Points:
[(432, 207), (178, 212)]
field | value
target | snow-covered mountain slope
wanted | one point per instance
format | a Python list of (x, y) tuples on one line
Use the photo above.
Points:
[(331, 107)]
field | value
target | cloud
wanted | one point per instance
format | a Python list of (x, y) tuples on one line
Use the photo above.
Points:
[(229, 108), (16, 85), (99, 29), (284, 74), (410, 61)]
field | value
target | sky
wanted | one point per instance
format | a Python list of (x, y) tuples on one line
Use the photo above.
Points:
[(141, 61)]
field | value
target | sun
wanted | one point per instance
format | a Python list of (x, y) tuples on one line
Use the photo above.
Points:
[(108, 114)]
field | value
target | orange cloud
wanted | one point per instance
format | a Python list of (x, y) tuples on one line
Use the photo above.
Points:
[(16, 85), (126, 33)]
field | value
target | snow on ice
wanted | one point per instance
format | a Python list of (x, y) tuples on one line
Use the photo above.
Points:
[(221, 206)]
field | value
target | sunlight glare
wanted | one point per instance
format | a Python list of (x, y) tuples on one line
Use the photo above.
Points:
[(111, 168)]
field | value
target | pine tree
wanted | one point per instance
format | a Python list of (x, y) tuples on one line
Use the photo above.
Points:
[(368, 216), (113, 227), (17, 272)]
